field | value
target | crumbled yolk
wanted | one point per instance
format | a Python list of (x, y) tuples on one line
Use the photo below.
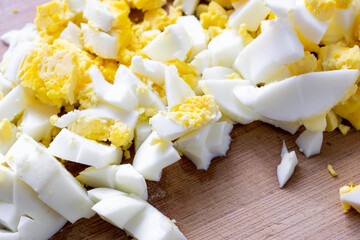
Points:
[(344, 129), (332, 121), (343, 4), (350, 110), (195, 112), (331, 170), (201, 8), (214, 31), (100, 129), (305, 65), (337, 57), (186, 71), (146, 113), (214, 16), (321, 9), (148, 4), (224, 3), (308, 45), (246, 36), (107, 67), (120, 10), (15, 10), (6, 131), (347, 189)]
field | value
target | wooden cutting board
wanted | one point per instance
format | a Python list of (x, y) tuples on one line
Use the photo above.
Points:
[(238, 197)]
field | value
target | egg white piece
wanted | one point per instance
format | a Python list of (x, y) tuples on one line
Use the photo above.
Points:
[(280, 8), (7, 179), (352, 198), (290, 127), (225, 47), (146, 98), (8, 141), (9, 235), (269, 52), (309, 26), (202, 61), (35, 166), (5, 84), (98, 194), (218, 140), (12, 104), (153, 156), (72, 147), (187, 6), (98, 15), (72, 33), (343, 20), (118, 95), (196, 33), (177, 90), (76, 5), (142, 131), (251, 14), (222, 90), (102, 177), (298, 97), (166, 128), (217, 73), (149, 68), (36, 120), (98, 42), (310, 142), (9, 216), (173, 43), (287, 166)]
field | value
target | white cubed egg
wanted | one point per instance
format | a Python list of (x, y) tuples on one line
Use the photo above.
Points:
[(131, 181), (5, 84), (167, 128), (218, 139), (14, 37), (251, 13), (98, 194), (173, 43), (12, 104), (72, 33), (76, 5), (187, 6), (290, 127), (298, 97), (102, 177), (266, 55), (98, 15), (202, 61), (9, 235), (196, 33), (118, 95), (154, 155), (306, 24), (9, 216), (287, 166), (280, 8), (225, 47), (352, 198), (7, 179), (72, 147), (217, 73), (177, 90), (98, 42), (310, 142), (151, 69), (142, 131), (222, 90)]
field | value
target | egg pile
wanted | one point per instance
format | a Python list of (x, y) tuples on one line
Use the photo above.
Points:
[(90, 79)]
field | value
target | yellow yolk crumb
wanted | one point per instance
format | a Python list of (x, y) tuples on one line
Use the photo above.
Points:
[(343, 4), (121, 10), (332, 121), (146, 113), (308, 45), (6, 131), (246, 36), (100, 129), (321, 9), (224, 3), (331, 170), (201, 8), (337, 57), (147, 4), (347, 189), (15, 10), (344, 129), (214, 31), (186, 71), (195, 112), (107, 67), (127, 154), (214, 16), (305, 65), (160, 142)]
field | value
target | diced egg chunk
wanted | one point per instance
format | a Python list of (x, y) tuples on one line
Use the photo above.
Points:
[(7, 179), (287, 166), (76, 5), (187, 6), (98, 14), (217, 73), (280, 8), (142, 131), (149, 68), (9, 217), (202, 61), (12, 104), (72, 33), (349, 197), (310, 142)]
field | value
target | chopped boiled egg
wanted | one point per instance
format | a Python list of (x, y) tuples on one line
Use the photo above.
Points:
[(202, 61), (310, 142), (287, 166), (349, 197), (148, 68), (73, 34), (7, 178), (217, 73)]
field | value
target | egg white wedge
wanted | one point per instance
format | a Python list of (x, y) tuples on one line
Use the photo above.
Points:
[(149, 68), (98, 194), (98, 15), (173, 43), (225, 47), (72, 147), (196, 33), (308, 26), (287, 166), (222, 90), (8, 133), (202, 145), (280, 8), (12, 104), (76, 5), (167, 128), (9, 235), (35, 166), (352, 198), (72, 33), (251, 13), (266, 55), (36, 120), (142, 131), (187, 6), (146, 98), (98, 42), (154, 155), (9, 216), (290, 127), (120, 177), (298, 97), (5, 84), (14, 37), (118, 95), (177, 90), (202, 61), (7, 179), (310, 142), (217, 73)]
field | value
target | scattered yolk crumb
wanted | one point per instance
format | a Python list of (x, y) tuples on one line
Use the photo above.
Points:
[(305, 65), (350, 110), (148, 4), (344, 129), (343, 4), (337, 57), (332, 121), (214, 16), (6, 131), (162, 144), (246, 36), (214, 31), (146, 113), (186, 71), (15, 10), (331, 170), (347, 189), (321, 9), (195, 112)]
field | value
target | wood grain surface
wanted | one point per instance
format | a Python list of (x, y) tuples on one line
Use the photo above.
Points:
[(238, 197)]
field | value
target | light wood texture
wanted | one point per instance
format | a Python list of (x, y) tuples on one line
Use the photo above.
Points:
[(238, 197)]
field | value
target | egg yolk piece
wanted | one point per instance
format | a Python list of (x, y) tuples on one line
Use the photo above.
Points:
[(321, 9), (214, 16), (148, 4)]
